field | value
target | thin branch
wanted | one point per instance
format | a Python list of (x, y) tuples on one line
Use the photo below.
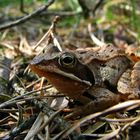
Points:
[(50, 34), (94, 38), (27, 17), (22, 7), (35, 128), (4, 104), (47, 13), (115, 108), (60, 13), (98, 4)]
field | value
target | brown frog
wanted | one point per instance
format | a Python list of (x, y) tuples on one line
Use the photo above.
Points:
[(97, 77)]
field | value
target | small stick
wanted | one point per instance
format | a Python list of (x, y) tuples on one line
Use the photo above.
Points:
[(94, 38), (49, 32), (27, 17)]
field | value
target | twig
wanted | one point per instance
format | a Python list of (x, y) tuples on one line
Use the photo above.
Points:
[(23, 126), (130, 124), (48, 13), (60, 13), (60, 122), (22, 7), (5, 64), (45, 35), (18, 97), (115, 108), (94, 38), (27, 17), (98, 4), (111, 135), (117, 120), (56, 42), (10, 103), (35, 128), (50, 34)]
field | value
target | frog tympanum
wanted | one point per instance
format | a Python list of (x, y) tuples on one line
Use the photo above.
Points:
[(96, 77)]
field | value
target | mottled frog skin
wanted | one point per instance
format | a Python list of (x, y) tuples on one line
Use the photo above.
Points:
[(96, 77)]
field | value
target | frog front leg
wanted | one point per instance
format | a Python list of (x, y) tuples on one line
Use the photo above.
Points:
[(99, 99)]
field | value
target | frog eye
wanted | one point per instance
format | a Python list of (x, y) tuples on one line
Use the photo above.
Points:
[(67, 60)]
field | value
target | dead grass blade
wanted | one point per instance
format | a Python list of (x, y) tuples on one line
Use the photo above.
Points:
[(115, 108)]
